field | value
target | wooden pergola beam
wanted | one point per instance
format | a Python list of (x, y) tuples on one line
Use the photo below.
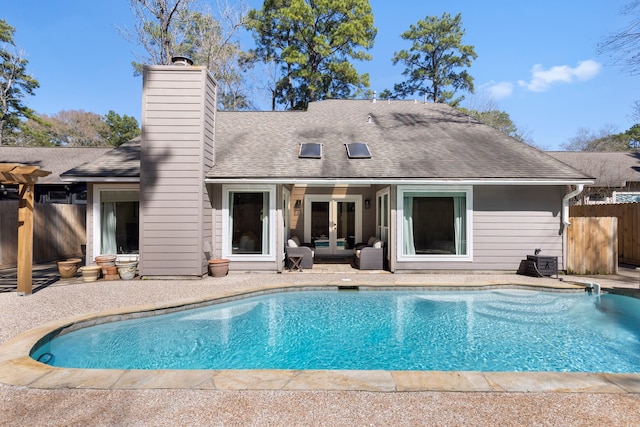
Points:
[(26, 177)]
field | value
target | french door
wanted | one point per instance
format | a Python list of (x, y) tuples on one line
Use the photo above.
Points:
[(333, 224)]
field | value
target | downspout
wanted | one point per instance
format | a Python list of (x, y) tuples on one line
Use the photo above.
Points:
[(565, 203)]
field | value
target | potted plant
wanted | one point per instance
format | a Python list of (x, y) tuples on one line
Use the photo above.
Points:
[(218, 267)]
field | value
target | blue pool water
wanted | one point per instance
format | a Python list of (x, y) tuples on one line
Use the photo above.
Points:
[(499, 330)]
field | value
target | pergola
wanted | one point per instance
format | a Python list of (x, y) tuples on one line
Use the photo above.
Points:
[(26, 176)]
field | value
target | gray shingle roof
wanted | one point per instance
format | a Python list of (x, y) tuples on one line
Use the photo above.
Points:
[(54, 159), (119, 162), (610, 169), (407, 140)]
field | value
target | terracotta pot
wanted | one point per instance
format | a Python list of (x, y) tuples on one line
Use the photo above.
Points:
[(106, 261), (68, 269), (112, 271), (218, 267), (90, 273)]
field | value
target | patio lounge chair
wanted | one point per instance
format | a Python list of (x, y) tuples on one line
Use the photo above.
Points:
[(370, 255), (295, 249)]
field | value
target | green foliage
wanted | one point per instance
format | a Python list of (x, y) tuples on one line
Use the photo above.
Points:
[(76, 128), (604, 140), (314, 43), (634, 136), (433, 63), (497, 119), (120, 129), (15, 84)]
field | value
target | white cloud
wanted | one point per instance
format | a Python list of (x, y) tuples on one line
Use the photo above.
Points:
[(500, 90), (542, 79)]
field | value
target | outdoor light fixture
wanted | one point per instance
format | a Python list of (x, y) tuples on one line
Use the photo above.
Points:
[(298, 204), (367, 204)]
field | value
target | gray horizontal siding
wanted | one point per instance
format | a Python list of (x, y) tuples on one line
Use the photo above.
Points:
[(175, 157), (509, 223)]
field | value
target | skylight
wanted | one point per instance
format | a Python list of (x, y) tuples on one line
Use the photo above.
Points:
[(310, 150), (358, 150)]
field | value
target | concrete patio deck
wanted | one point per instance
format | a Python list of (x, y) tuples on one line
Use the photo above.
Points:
[(37, 394)]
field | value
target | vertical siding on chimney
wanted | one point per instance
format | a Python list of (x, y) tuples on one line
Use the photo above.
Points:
[(178, 111)]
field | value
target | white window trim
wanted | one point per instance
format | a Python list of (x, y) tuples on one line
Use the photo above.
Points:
[(379, 194), (310, 198), (226, 239), (97, 189), (402, 189), (614, 198)]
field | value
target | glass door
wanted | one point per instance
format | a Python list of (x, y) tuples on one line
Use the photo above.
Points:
[(332, 225)]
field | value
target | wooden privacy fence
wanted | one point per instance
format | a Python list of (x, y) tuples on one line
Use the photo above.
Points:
[(628, 215), (58, 232), (592, 245)]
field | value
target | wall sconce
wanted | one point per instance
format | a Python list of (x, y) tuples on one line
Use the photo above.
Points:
[(367, 203), (298, 204)]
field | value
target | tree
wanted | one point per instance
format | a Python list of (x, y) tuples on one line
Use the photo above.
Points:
[(606, 139), (209, 41), (76, 128), (170, 28), (624, 45), (15, 83), (434, 60), (314, 43), (120, 129), (156, 24), (497, 119)]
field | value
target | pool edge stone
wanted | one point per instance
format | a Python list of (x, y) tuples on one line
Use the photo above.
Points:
[(18, 369)]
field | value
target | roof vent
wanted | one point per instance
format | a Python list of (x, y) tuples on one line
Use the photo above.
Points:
[(181, 60), (374, 96)]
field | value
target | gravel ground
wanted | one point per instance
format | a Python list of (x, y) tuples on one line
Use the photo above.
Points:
[(34, 407)]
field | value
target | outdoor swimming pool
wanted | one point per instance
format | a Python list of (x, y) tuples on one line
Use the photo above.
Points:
[(498, 330)]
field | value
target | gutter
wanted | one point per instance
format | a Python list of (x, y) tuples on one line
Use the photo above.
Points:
[(565, 203), (392, 181)]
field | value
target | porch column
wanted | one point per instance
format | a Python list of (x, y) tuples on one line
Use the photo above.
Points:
[(25, 238)]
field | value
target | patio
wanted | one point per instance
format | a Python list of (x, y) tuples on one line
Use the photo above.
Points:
[(547, 400)]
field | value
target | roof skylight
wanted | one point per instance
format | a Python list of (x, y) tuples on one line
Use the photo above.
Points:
[(358, 150), (310, 150)]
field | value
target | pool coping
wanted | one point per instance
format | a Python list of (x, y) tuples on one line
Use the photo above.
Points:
[(18, 369)]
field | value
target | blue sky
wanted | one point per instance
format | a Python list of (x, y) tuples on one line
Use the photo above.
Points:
[(536, 60)]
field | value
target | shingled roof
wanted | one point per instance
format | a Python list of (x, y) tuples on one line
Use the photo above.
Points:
[(408, 140), (54, 159), (613, 169), (122, 162)]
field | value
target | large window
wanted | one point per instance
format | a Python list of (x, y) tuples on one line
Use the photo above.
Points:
[(116, 219), (249, 221), (435, 223)]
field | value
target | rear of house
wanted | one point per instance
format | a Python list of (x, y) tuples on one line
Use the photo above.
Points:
[(439, 189)]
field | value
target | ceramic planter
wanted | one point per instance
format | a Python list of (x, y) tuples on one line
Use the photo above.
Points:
[(68, 268), (127, 269), (218, 267), (90, 273)]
